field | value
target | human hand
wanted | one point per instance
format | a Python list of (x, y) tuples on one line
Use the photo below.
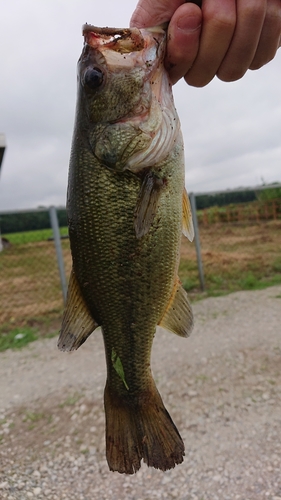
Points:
[(223, 38)]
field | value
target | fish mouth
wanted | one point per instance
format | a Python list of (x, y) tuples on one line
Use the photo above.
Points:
[(123, 40)]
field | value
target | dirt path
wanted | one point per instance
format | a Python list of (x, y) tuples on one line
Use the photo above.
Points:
[(221, 386)]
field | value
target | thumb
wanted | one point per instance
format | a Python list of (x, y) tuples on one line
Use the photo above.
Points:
[(149, 13), (183, 40)]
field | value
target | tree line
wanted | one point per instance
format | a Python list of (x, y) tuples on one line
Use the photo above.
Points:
[(29, 221), (222, 199), (235, 197)]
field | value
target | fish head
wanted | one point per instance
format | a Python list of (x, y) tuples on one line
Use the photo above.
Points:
[(125, 104), (115, 70)]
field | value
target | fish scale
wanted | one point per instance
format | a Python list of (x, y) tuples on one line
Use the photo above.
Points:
[(129, 272)]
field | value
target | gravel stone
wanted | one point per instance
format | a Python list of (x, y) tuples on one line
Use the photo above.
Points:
[(221, 387)]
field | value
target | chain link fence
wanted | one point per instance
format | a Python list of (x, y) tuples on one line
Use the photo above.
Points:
[(30, 282), (35, 265)]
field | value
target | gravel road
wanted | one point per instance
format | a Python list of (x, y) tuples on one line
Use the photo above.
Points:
[(221, 386)]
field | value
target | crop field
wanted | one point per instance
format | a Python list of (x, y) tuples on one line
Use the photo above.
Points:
[(235, 256), (242, 212), (30, 287)]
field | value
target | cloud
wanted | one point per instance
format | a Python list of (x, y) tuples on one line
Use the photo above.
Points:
[(231, 131)]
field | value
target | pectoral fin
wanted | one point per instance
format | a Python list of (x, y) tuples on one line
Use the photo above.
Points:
[(187, 223), (178, 317), (147, 203), (77, 322)]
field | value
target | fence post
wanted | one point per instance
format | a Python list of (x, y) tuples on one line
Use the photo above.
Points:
[(57, 240), (197, 240), (274, 210)]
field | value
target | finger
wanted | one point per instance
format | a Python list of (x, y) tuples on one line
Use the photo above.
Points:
[(270, 35), (219, 21), (250, 19), (149, 13), (183, 40)]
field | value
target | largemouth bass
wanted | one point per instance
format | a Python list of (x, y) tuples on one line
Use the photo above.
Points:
[(127, 208)]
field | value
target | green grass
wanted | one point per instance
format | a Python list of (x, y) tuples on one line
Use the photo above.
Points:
[(17, 338), (276, 266), (188, 274), (223, 284), (71, 400), (252, 282), (32, 236), (33, 417)]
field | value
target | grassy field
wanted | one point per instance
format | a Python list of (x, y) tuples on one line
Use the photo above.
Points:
[(33, 236), (30, 287), (235, 257)]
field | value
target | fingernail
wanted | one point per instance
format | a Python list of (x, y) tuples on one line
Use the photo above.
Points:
[(188, 23)]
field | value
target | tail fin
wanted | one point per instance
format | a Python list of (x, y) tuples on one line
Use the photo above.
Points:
[(139, 428)]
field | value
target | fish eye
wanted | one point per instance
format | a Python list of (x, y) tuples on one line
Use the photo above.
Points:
[(93, 78)]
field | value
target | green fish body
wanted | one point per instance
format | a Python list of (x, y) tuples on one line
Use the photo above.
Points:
[(127, 208)]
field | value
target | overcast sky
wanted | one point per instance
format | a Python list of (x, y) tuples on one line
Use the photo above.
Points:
[(232, 131)]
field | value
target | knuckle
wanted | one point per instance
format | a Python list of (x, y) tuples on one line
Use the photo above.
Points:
[(255, 10), (221, 19), (257, 65), (273, 11), (196, 80), (231, 75), (260, 61)]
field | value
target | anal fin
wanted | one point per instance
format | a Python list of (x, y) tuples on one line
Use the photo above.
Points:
[(178, 317), (77, 322), (187, 223), (147, 203)]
